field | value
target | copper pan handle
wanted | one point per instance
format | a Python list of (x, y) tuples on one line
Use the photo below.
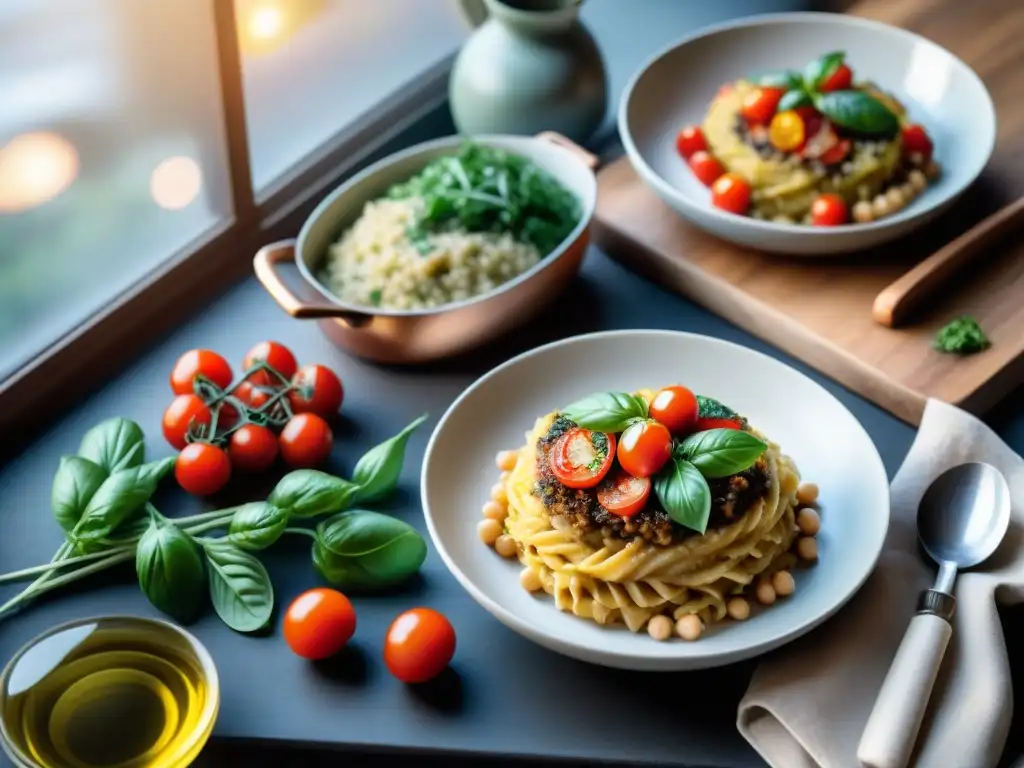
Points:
[(265, 264), (589, 158)]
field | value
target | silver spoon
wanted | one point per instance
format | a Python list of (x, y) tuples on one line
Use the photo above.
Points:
[(962, 518)]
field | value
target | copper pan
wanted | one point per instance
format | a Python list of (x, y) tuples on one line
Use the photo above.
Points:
[(417, 336)]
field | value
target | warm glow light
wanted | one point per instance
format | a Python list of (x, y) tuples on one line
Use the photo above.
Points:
[(175, 182), (266, 23), (34, 168)]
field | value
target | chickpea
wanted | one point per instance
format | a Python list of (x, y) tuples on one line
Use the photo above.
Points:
[(689, 627), (807, 548), (909, 192), (932, 170), (495, 511), (918, 180), (807, 493), (506, 460), (529, 580), (783, 583), (862, 212), (738, 608), (489, 531), (499, 494), (880, 207), (504, 476), (506, 546), (660, 627), (781, 218), (895, 198), (765, 592), (808, 521)]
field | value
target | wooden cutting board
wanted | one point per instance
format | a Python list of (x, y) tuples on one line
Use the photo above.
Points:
[(820, 310)]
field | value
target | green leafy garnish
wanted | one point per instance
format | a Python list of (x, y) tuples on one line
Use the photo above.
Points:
[(721, 452), (709, 408), (375, 297), (684, 493), (795, 99), (485, 189), (786, 79), (606, 411), (858, 112), (821, 69), (962, 336)]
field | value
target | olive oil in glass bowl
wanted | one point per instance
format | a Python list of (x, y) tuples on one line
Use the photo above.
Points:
[(116, 692)]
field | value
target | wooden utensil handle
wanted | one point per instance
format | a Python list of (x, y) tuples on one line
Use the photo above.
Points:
[(899, 300)]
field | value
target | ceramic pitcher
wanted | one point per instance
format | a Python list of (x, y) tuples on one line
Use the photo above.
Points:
[(530, 66)]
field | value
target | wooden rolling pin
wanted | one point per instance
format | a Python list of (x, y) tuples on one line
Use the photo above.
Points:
[(897, 302)]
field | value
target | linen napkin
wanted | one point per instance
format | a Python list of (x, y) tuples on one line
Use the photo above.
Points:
[(807, 705)]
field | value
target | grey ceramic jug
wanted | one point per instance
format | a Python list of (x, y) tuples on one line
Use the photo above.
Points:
[(530, 66)]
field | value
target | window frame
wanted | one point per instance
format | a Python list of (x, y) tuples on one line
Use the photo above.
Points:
[(203, 269)]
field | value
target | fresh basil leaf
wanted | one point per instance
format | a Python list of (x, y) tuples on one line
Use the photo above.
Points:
[(117, 497), (114, 444), (310, 492), (822, 68), (240, 587), (366, 549), (858, 112), (795, 99), (606, 411), (685, 495), (722, 452), (376, 473), (257, 526), (786, 79), (170, 570), (74, 484)]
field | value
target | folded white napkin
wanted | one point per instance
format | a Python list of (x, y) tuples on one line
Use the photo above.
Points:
[(808, 703)]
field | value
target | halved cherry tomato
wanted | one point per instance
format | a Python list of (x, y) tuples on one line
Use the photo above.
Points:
[(840, 80), (199, 362), (717, 422), (184, 410), (305, 441), (624, 495), (828, 210), (581, 458), (676, 407), (319, 623), (917, 142), (277, 356), (689, 140), (837, 153), (644, 447), (731, 193), (787, 132), (202, 469), (319, 391), (759, 105), (419, 645), (705, 168), (253, 448)]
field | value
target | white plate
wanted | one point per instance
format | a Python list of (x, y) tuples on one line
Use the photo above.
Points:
[(829, 445)]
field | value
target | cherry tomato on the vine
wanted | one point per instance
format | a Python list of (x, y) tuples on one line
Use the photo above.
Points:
[(759, 105), (277, 356), (581, 458), (676, 407), (199, 362), (253, 448), (306, 441), (318, 391), (624, 495), (419, 644), (184, 410), (202, 469), (705, 168), (319, 623), (731, 193), (253, 396), (690, 140), (644, 447), (828, 210)]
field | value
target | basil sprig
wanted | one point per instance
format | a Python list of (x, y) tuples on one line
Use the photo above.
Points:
[(170, 569), (684, 493), (607, 411), (361, 548), (721, 452)]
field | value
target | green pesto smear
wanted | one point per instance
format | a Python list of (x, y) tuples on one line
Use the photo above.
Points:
[(962, 336)]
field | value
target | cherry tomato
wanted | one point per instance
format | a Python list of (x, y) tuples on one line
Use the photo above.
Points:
[(253, 396), (581, 458), (836, 153), (731, 193), (319, 391), (759, 105), (202, 469), (644, 448), (690, 140), (306, 440), (705, 168), (675, 407), (916, 141), (184, 410), (318, 623), (624, 495), (840, 80), (419, 644), (277, 356), (706, 423), (253, 448), (199, 362), (787, 132), (828, 210)]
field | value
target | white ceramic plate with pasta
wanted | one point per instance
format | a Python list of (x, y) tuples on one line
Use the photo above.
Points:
[(639, 529)]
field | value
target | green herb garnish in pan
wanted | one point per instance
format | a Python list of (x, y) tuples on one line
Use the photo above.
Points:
[(484, 189), (962, 336)]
